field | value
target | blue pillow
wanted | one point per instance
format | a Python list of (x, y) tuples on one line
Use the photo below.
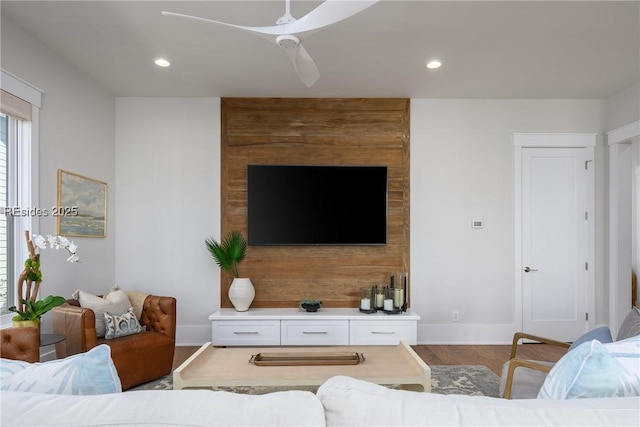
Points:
[(602, 334), (92, 372), (596, 370)]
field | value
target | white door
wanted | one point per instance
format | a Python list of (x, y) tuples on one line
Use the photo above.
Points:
[(555, 203)]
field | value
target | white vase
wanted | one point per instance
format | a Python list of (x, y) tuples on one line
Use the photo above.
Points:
[(241, 293)]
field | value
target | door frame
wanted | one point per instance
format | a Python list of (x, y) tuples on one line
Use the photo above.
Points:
[(552, 140), (620, 221)]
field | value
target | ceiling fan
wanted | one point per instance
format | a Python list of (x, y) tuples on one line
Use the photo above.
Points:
[(288, 30)]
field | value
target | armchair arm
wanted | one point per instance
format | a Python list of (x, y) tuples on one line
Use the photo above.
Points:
[(78, 325), (20, 344), (523, 335), (516, 363), (159, 315)]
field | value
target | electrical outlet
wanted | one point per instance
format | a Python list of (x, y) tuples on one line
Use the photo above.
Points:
[(455, 315)]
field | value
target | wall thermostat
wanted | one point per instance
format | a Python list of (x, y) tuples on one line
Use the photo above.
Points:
[(477, 223)]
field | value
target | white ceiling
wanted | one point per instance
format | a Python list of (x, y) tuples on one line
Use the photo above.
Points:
[(502, 49)]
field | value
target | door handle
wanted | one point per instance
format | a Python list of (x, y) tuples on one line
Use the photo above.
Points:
[(527, 269)]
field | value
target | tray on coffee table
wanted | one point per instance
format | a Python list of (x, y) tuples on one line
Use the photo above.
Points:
[(296, 358)]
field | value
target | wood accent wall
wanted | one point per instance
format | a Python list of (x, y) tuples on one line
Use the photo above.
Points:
[(315, 131)]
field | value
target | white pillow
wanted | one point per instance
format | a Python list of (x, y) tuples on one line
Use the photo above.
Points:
[(116, 302), (92, 372), (594, 370)]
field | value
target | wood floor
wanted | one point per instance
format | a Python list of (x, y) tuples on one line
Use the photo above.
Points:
[(492, 356)]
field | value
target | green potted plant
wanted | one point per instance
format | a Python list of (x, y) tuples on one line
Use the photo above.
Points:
[(228, 254), (33, 311)]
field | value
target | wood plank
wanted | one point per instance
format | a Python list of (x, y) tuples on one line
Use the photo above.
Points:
[(319, 131)]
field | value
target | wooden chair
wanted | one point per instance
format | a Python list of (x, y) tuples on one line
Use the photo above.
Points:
[(522, 379), (530, 380)]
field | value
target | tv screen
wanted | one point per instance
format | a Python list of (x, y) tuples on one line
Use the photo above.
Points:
[(317, 205)]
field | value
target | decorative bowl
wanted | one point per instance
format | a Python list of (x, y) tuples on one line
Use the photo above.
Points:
[(310, 305)]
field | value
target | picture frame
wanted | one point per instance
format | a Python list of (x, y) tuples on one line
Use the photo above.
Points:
[(82, 205)]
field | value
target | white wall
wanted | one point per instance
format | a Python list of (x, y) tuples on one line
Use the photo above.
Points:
[(461, 170), (168, 179), (167, 157), (163, 174), (77, 130), (623, 108)]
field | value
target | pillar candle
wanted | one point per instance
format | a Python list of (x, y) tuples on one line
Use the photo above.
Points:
[(388, 304), (397, 302), (379, 300), (365, 304)]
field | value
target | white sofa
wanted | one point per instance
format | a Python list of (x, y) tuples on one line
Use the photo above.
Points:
[(341, 401)]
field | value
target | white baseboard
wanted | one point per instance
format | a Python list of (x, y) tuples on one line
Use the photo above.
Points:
[(460, 334), (48, 353)]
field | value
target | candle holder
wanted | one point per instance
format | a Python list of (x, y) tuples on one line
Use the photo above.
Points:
[(400, 280), (368, 300), (380, 297), (405, 287), (391, 298)]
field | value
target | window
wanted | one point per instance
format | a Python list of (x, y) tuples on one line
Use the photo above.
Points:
[(5, 223), (19, 113), (12, 179), (6, 258)]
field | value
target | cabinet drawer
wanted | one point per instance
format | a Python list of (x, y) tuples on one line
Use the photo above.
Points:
[(373, 332), (323, 332), (257, 332)]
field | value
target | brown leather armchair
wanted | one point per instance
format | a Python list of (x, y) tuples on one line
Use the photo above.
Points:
[(20, 344), (138, 358)]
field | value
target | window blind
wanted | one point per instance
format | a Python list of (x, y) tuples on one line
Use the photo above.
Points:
[(14, 106)]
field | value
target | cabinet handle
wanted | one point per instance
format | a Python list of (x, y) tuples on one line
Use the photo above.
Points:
[(384, 333), (246, 333), (315, 333)]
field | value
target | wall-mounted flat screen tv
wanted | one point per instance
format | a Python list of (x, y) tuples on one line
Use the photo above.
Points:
[(317, 205)]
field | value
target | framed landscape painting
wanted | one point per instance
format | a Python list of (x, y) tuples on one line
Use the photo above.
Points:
[(82, 205)]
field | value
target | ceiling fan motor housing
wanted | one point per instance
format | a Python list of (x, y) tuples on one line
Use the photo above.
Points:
[(288, 41)]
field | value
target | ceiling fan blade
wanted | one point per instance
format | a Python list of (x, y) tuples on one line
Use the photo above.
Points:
[(304, 65), (329, 12), (267, 31)]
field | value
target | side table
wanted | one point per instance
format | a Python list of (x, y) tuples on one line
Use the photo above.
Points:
[(51, 339)]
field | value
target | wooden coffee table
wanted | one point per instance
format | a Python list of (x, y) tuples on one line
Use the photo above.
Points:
[(212, 367)]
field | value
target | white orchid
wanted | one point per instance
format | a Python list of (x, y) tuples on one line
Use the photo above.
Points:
[(73, 258), (39, 241), (57, 242)]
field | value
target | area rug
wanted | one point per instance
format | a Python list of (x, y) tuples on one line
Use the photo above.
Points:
[(474, 380)]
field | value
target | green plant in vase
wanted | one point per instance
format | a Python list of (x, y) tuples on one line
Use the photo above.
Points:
[(228, 254), (33, 311), (29, 309)]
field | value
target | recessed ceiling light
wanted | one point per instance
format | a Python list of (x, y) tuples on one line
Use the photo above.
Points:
[(433, 64), (161, 62)]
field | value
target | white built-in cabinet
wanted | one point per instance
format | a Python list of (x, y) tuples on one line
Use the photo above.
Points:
[(329, 326)]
